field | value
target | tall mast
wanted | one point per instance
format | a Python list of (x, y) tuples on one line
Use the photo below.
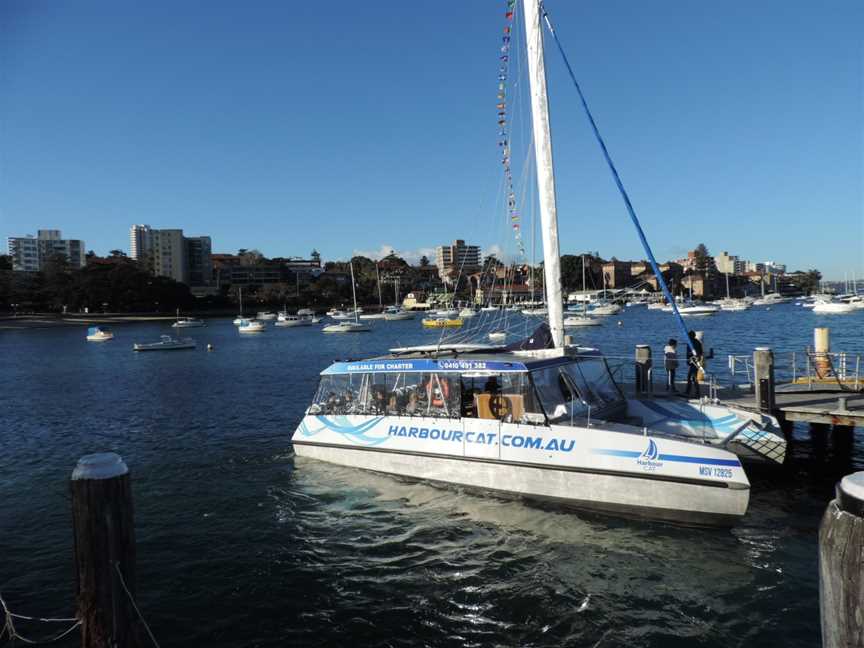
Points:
[(545, 172), (378, 277), (353, 290)]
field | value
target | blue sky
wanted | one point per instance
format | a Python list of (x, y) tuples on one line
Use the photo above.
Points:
[(350, 126)]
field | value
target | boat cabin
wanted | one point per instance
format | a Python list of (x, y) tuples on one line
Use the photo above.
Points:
[(512, 387)]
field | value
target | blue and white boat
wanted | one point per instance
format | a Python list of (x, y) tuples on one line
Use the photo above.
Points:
[(539, 419)]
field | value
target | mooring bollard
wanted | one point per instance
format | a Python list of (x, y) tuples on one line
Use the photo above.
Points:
[(821, 349), (763, 379), (643, 369), (841, 565), (104, 533)]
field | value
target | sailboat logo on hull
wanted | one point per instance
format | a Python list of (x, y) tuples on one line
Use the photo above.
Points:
[(651, 451), (648, 459)]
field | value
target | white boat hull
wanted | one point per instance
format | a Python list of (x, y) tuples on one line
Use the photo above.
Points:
[(346, 327), (581, 467), (581, 321), (394, 317)]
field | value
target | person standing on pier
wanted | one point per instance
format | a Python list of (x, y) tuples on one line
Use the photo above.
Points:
[(670, 351), (694, 361)]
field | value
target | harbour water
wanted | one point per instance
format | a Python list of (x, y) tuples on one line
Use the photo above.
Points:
[(239, 544)]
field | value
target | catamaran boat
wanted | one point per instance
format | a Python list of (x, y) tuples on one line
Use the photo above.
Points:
[(251, 326), (166, 343), (543, 424), (538, 419), (188, 322), (99, 334)]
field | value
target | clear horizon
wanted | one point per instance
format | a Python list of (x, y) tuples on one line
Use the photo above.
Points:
[(286, 128)]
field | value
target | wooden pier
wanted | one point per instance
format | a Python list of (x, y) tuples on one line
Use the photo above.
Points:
[(829, 407)]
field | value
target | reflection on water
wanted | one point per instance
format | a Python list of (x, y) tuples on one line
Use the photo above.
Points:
[(241, 544)]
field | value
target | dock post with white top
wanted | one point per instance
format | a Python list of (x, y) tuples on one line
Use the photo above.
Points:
[(104, 551), (841, 565), (821, 351), (763, 379)]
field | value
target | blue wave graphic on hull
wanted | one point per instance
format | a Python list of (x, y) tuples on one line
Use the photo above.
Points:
[(342, 425)]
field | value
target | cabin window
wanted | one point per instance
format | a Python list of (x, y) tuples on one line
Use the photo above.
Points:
[(507, 397), (339, 394), (556, 393), (594, 382)]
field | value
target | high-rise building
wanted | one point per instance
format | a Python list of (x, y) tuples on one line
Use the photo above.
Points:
[(457, 259), (199, 260), (170, 254), (29, 253), (139, 241)]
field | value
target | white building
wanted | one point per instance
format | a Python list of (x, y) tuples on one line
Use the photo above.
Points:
[(170, 254), (457, 259), (29, 253)]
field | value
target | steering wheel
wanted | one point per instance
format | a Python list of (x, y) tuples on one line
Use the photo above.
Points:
[(500, 407)]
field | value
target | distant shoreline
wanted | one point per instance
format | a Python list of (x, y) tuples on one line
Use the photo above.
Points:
[(25, 322)]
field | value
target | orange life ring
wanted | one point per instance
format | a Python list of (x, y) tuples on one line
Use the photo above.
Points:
[(445, 392)]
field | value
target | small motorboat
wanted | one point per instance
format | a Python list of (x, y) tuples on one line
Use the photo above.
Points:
[(188, 322), (442, 322), (393, 314), (606, 309), (581, 320), (833, 308), (446, 312), (99, 334), (698, 310), (251, 326), (288, 321), (167, 343), (347, 327)]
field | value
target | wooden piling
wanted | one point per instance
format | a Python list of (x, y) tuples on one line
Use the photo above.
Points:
[(643, 369), (763, 379), (104, 534), (841, 566), (821, 350)]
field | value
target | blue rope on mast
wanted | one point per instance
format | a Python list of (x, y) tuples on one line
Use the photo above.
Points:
[(660, 280)]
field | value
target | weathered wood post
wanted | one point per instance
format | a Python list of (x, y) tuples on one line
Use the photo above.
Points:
[(643, 369), (763, 379), (821, 349), (841, 565), (104, 531)]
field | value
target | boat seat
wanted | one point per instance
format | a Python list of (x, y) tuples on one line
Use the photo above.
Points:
[(499, 406)]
